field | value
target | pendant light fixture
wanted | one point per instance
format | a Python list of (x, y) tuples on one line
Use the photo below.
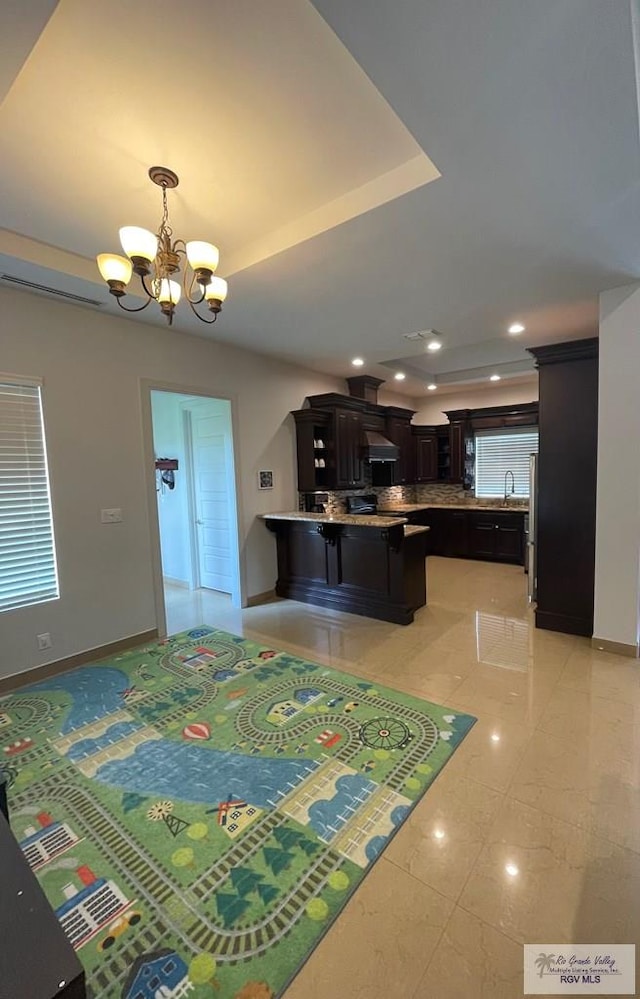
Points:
[(158, 259)]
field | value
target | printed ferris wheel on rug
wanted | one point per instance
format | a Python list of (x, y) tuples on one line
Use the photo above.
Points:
[(385, 733)]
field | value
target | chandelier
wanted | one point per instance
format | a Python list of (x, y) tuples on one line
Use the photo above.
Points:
[(157, 260)]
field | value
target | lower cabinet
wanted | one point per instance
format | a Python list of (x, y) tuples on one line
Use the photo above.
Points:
[(498, 536), (495, 536)]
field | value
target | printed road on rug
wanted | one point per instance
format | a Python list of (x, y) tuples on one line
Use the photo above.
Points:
[(200, 810)]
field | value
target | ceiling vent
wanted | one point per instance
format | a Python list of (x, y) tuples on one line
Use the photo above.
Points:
[(420, 335), (58, 292)]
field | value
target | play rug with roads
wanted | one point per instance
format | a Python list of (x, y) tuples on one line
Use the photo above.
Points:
[(199, 811)]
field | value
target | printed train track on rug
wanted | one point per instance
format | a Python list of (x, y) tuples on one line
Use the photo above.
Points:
[(200, 810)]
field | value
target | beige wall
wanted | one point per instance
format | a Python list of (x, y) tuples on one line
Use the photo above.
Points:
[(92, 365), (430, 410), (617, 574)]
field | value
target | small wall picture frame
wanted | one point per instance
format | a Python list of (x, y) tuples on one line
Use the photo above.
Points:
[(265, 479)]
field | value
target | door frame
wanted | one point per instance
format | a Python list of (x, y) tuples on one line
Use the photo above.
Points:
[(191, 499), (147, 386)]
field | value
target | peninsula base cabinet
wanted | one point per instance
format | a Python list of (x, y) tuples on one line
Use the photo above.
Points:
[(375, 572)]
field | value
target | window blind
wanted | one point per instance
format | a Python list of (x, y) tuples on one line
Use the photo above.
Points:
[(499, 451), (28, 573)]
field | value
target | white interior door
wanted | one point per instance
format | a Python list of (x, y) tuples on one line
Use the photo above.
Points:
[(213, 498)]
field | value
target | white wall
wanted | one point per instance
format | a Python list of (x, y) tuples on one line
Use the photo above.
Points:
[(92, 364), (430, 410), (617, 582)]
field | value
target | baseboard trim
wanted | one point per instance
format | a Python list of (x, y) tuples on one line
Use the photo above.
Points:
[(618, 648), (564, 623), (182, 583), (262, 598), (17, 680)]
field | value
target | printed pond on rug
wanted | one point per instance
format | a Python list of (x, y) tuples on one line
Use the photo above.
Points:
[(199, 811)]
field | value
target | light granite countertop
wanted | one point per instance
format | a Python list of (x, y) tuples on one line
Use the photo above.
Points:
[(348, 518), (403, 508), (411, 529), (339, 518)]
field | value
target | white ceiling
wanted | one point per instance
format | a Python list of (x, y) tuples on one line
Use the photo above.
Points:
[(367, 170)]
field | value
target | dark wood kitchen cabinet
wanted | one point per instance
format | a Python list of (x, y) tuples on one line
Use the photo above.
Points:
[(426, 453), (492, 535), (456, 471), (461, 448), (348, 441), (497, 536), (455, 534), (398, 430), (375, 571), (314, 444), (567, 474)]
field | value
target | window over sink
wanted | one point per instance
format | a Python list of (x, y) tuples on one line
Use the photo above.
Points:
[(498, 452)]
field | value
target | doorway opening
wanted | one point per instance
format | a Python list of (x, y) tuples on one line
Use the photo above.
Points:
[(196, 505)]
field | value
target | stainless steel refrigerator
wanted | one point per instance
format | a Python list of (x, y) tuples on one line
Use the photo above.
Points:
[(532, 534)]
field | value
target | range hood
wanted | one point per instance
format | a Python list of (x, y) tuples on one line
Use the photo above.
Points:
[(378, 448)]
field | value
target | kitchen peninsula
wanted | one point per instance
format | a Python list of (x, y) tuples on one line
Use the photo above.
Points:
[(374, 566)]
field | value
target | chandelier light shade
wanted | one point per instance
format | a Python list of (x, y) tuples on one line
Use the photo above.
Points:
[(115, 270), (159, 260), (138, 244), (216, 290), (202, 256)]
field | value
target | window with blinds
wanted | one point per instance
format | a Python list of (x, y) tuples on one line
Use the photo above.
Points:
[(500, 451), (28, 573)]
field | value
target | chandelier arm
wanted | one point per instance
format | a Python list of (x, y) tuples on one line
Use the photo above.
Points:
[(147, 291), (139, 309), (189, 291), (198, 316)]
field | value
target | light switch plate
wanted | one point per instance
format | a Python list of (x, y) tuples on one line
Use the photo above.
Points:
[(112, 516)]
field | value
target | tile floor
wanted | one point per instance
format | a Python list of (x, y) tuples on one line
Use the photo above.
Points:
[(531, 834)]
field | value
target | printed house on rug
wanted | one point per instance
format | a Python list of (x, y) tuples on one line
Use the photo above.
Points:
[(160, 975)]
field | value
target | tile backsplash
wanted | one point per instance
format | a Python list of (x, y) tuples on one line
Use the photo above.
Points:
[(433, 492)]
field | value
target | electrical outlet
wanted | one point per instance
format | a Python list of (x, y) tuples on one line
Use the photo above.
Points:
[(44, 641), (112, 516)]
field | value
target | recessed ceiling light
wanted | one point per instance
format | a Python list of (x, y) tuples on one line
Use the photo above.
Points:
[(495, 737), (516, 328), (432, 387), (399, 376), (357, 362), (494, 378), (512, 870), (439, 833), (434, 345)]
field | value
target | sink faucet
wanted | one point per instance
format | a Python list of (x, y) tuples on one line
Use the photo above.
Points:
[(513, 486)]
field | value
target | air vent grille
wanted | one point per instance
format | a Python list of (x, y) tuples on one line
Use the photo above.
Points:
[(421, 335), (58, 292)]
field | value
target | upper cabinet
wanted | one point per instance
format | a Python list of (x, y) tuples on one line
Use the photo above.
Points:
[(332, 440), (314, 441), (348, 445), (398, 430), (426, 452)]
